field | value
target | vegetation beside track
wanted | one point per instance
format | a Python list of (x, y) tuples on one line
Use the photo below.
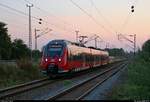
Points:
[(137, 85), (23, 71)]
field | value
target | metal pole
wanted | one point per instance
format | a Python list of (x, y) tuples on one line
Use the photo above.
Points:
[(35, 40), (30, 29), (36, 37), (134, 43), (100, 44), (77, 36), (95, 42), (107, 45)]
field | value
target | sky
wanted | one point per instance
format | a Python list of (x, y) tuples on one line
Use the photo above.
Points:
[(105, 18)]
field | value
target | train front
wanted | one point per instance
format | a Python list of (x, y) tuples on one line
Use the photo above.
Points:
[(54, 58)]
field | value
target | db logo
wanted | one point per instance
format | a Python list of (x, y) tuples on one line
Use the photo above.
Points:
[(52, 60)]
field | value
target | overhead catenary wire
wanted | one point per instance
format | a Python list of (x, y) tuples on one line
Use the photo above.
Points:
[(56, 17), (25, 14), (53, 15), (90, 16), (10, 21), (22, 13), (129, 15), (13, 9), (18, 11), (127, 21), (69, 25), (101, 15), (7, 11), (64, 22), (28, 1), (15, 12)]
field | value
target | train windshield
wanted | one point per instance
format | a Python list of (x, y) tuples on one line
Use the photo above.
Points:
[(54, 50)]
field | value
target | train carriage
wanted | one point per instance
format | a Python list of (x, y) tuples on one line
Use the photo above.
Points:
[(61, 56)]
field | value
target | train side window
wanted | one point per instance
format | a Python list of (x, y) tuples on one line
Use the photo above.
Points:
[(96, 58), (102, 58), (70, 56), (86, 58)]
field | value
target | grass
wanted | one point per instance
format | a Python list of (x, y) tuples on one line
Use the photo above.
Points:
[(23, 72), (137, 85), (67, 82)]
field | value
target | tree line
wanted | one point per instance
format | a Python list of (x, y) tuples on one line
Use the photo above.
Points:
[(15, 49), (116, 52), (145, 52)]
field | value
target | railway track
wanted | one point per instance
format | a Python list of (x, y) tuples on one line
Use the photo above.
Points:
[(79, 91), (11, 92)]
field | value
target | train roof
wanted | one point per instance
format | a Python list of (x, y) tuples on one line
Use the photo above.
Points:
[(74, 43), (67, 42)]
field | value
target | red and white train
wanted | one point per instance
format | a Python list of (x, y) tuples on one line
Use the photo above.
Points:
[(61, 56)]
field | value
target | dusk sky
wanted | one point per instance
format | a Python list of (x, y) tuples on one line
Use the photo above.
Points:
[(110, 17)]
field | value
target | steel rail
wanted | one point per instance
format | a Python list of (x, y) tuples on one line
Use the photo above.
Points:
[(11, 91), (63, 92), (21, 85), (99, 83)]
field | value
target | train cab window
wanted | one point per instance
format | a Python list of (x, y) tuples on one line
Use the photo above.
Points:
[(43, 51), (54, 50)]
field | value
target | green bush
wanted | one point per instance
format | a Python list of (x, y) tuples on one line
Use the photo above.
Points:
[(146, 51), (29, 67), (137, 86), (9, 73), (24, 64), (24, 71)]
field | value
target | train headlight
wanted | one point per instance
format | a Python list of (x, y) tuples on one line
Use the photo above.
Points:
[(46, 59), (59, 59)]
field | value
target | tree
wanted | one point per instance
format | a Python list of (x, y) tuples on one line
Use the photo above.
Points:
[(36, 54), (116, 52), (5, 42), (146, 50), (20, 50), (146, 46)]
